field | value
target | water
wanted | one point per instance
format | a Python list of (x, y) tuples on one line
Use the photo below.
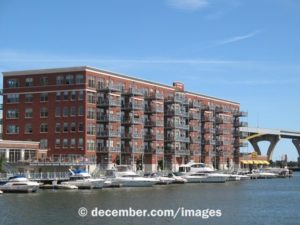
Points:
[(252, 202)]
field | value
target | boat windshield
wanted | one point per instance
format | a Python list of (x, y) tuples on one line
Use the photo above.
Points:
[(184, 169)]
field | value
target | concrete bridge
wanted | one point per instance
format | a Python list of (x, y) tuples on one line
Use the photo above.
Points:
[(255, 135)]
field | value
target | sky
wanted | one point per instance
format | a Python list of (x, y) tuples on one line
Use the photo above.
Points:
[(244, 51)]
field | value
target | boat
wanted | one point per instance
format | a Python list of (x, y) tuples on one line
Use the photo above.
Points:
[(19, 184), (123, 176), (177, 179), (192, 167), (161, 179), (65, 187), (1, 192), (257, 174), (205, 177), (83, 180)]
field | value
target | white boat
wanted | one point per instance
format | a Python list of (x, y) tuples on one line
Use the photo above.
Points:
[(192, 167), (19, 184), (262, 175), (233, 177), (83, 180), (205, 177), (65, 187), (194, 177), (177, 179), (161, 179), (123, 176)]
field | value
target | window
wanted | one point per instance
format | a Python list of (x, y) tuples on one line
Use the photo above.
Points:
[(79, 79), (90, 145), (13, 98), (29, 82), (44, 143), (44, 81), (72, 142), (73, 95), (65, 142), (73, 127), (57, 142), (69, 79), (28, 113), (91, 129), (44, 97), (58, 96), (57, 127), (81, 95), (44, 112), (66, 95), (57, 112), (80, 127), (91, 97), (66, 127), (66, 111), (28, 98), (28, 128), (59, 80), (91, 113), (73, 111), (12, 129), (80, 143), (12, 83), (12, 114), (81, 111), (44, 128), (91, 82)]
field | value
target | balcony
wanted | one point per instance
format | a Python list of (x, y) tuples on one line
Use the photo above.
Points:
[(209, 130), (107, 102), (109, 118), (195, 128), (222, 131), (157, 151), (130, 135), (154, 137), (240, 124), (108, 134), (178, 139), (182, 152), (156, 123), (154, 109), (132, 120), (240, 114), (223, 110), (224, 120), (209, 142), (195, 140), (111, 88), (135, 92), (155, 96), (176, 112), (194, 116), (208, 108), (108, 149), (133, 106), (240, 144), (194, 104), (177, 125)]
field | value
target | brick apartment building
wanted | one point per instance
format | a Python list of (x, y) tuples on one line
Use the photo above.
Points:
[(117, 119)]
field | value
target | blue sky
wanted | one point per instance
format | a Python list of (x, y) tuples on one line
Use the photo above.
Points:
[(246, 51)]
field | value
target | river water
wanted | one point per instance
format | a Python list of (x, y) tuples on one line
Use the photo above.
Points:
[(260, 202)]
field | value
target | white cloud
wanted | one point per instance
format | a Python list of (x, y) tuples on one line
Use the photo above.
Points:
[(239, 38), (188, 4)]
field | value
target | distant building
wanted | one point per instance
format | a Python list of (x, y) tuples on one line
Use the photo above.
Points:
[(112, 118)]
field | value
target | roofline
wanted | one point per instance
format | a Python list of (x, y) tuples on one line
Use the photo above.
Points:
[(89, 68)]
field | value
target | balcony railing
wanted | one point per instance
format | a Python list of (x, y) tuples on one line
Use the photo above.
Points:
[(108, 149), (157, 96), (111, 87), (177, 125), (104, 102), (209, 130), (176, 112), (240, 114), (195, 140), (208, 119), (157, 123), (154, 109), (127, 149), (223, 110), (195, 104), (224, 120), (135, 91), (109, 118), (209, 142), (177, 139), (208, 108), (133, 120), (152, 137), (108, 133), (240, 124), (182, 152), (195, 128), (194, 116), (133, 106)]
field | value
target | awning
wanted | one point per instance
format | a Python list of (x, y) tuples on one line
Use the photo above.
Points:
[(247, 162), (266, 162)]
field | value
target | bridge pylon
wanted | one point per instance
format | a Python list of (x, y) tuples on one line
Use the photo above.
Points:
[(273, 139)]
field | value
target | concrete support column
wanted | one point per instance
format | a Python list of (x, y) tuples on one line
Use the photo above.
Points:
[(273, 139), (22, 154), (296, 142), (7, 155)]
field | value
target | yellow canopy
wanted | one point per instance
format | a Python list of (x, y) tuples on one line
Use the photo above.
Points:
[(247, 162)]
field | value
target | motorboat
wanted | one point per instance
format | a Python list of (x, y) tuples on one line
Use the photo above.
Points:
[(124, 176), (205, 177), (192, 167), (258, 174), (83, 180), (177, 179), (65, 187), (19, 184), (161, 179)]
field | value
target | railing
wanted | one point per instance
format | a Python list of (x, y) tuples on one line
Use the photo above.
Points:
[(157, 96), (195, 104), (240, 124), (154, 137), (178, 138), (209, 130), (109, 133), (240, 114), (108, 102), (108, 149), (109, 118), (209, 142), (132, 106), (177, 125), (208, 119), (223, 110), (111, 87), (157, 123), (195, 140), (208, 108), (135, 91), (176, 112), (194, 116), (154, 109), (133, 120), (151, 150), (195, 128), (224, 120)]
